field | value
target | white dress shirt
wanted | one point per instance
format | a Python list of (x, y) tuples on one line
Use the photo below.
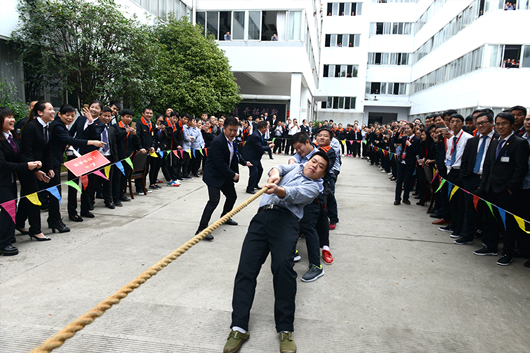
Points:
[(462, 138)]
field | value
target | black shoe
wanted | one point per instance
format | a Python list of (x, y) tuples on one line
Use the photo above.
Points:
[(257, 188), (406, 202), (8, 250), (118, 203), (88, 215), (455, 234), (251, 191), (436, 215), (110, 205), (420, 203), (396, 203), (446, 228), (186, 177), (485, 252), (22, 232), (32, 236), (99, 195), (432, 211), (231, 222), (505, 260), (58, 225), (124, 198), (91, 207), (464, 241), (76, 218), (208, 237), (13, 240)]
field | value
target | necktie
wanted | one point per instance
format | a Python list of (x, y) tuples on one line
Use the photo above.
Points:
[(13, 144), (46, 136), (480, 155), (499, 148), (105, 139), (453, 156)]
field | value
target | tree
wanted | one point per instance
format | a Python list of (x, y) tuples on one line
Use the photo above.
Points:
[(193, 73), (88, 48)]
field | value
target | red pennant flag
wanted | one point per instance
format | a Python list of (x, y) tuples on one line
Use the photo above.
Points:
[(181, 154), (176, 153), (84, 181), (206, 150), (475, 201), (10, 207)]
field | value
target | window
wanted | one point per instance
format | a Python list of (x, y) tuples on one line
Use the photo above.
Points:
[(344, 8), (347, 71), (225, 23), (342, 40), (398, 28), (295, 25), (526, 56), (254, 25), (388, 58), (238, 25), (201, 20), (269, 24), (212, 19), (339, 103), (327, 43)]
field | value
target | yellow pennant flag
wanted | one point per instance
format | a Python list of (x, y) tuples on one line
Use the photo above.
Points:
[(521, 223), (34, 198), (189, 152), (107, 171), (153, 154), (453, 192), (343, 142)]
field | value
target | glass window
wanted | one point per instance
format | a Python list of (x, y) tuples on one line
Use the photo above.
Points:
[(403, 88), (395, 28), (357, 40), (368, 87), (254, 25), (225, 23), (347, 103), (162, 10), (347, 9), (238, 29), (331, 72), (526, 56), (335, 10), (383, 88), (330, 102), (335, 102), (325, 73), (393, 59), (183, 9), (327, 43), (341, 102), (330, 6), (324, 103), (371, 58), (212, 18), (384, 58), (343, 70), (295, 25), (352, 102), (387, 26), (269, 24), (201, 20), (359, 8), (337, 71), (333, 40), (341, 9)]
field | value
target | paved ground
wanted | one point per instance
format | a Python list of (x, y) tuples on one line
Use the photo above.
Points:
[(397, 285)]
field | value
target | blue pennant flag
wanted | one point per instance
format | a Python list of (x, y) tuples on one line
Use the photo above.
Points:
[(55, 192), (449, 188), (120, 167), (502, 213), (193, 151), (161, 153)]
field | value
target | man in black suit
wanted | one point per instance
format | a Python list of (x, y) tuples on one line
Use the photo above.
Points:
[(273, 120), (471, 173), (407, 164), (221, 171), (253, 150), (505, 168)]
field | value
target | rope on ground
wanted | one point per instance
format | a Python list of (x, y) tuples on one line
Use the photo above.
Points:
[(70, 330)]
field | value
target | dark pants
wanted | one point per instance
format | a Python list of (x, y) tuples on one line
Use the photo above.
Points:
[(154, 168), (404, 180), (308, 227), (288, 146), (87, 197), (494, 226), (356, 149), (457, 204), (169, 167), (278, 144), (331, 203), (523, 211), (471, 217), (7, 227), (195, 163), (138, 182), (116, 176), (54, 207), (276, 232), (420, 182), (72, 193), (106, 185), (214, 195), (26, 209), (255, 173)]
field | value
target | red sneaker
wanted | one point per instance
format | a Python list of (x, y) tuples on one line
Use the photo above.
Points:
[(328, 259), (332, 226)]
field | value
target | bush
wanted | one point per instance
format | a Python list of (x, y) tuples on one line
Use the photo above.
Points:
[(9, 98)]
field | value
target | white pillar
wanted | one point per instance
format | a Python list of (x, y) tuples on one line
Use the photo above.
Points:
[(296, 86)]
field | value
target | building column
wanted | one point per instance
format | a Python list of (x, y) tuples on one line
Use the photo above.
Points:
[(296, 86)]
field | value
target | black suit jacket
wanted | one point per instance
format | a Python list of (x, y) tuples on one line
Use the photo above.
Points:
[(218, 168), (498, 176), (60, 138), (254, 147), (10, 162), (145, 136), (96, 129), (412, 151), (126, 144), (78, 131), (33, 147), (470, 155)]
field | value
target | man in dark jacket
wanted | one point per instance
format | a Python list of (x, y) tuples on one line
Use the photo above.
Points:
[(253, 150)]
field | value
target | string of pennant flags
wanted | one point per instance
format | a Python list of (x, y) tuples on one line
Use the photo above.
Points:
[(11, 205), (452, 189)]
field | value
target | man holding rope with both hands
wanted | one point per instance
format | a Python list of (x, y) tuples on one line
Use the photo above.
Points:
[(274, 229)]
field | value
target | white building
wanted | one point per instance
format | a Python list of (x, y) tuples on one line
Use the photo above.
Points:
[(369, 60)]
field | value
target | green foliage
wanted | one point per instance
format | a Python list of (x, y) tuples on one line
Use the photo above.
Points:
[(87, 47), (193, 73), (9, 98)]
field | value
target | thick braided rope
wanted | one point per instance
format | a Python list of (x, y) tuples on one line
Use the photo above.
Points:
[(70, 330)]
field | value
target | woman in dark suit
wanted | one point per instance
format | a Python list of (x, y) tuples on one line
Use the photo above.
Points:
[(35, 137), (59, 139), (10, 162)]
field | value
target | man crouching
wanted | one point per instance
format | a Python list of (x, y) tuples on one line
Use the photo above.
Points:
[(274, 229)]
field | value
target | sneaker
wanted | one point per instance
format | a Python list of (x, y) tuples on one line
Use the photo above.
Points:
[(159, 181), (332, 226), (328, 259), (463, 241), (485, 252), (173, 183), (297, 256), (454, 234), (446, 229), (313, 273), (287, 344), (505, 260), (141, 193), (234, 341)]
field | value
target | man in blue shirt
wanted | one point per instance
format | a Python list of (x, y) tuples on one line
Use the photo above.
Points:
[(274, 229)]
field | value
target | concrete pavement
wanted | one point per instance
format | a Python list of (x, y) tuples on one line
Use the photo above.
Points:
[(397, 284)]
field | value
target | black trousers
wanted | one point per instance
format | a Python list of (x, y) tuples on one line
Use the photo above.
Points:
[(195, 163), (308, 227), (214, 195), (26, 209), (331, 203), (457, 204), (116, 176), (404, 180), (154, 168), (87, 197), (255, 173), (288, 146), (278, 144), (169, 167), (355, 149), (7, 227), (471, 216), (276, 232), (494, 226), (54, 207)]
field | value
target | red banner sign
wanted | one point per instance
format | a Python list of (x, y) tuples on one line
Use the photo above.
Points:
[(86, 163)]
